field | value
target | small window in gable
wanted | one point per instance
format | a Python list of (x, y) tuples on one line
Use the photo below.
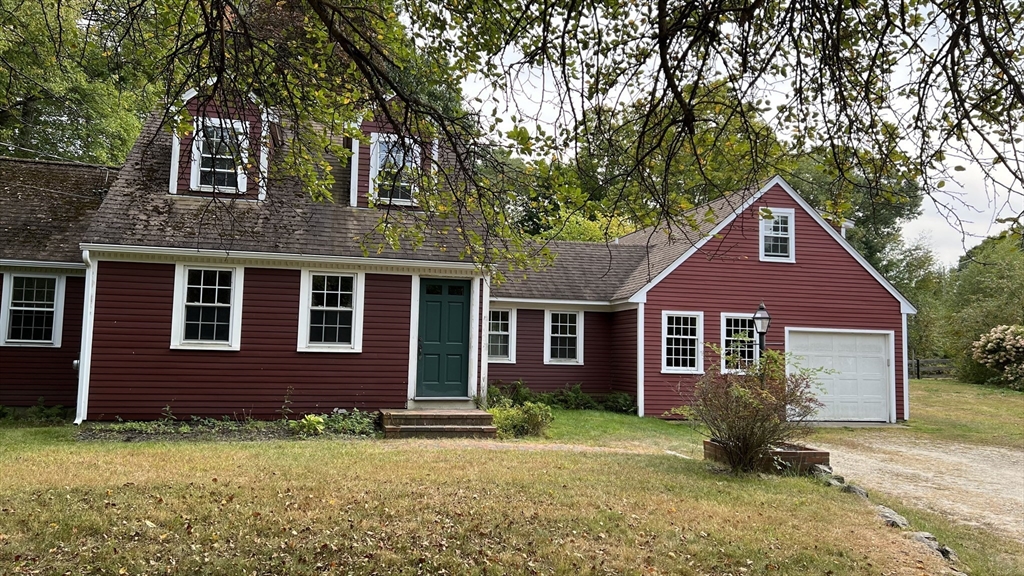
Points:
[(394, 164), (219, 155), (777, 235), (31, 310)]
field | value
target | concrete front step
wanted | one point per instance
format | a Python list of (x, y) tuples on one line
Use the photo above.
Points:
[(440, 431), (438, 424)]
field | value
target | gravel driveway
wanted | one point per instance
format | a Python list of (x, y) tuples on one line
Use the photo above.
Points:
[(974, 485)]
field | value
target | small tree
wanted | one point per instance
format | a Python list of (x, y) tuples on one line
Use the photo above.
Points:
[(1002, 349), (750, 412)]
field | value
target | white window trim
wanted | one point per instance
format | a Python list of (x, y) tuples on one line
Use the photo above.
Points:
[(58, 311), (178, 341), (721, 338), (305, 288), (239, 126), (791, 213), (665, 368), (579, 337), (375, 139), (511, 337)]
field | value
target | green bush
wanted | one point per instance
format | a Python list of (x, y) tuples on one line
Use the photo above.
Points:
[(1002, 350), (570, 398), (528, 419), (620, 402), (354, 423), (36, 415), (309, 425), (509, 394)]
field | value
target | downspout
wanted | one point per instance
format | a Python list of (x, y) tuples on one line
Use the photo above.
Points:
[(85, 355)]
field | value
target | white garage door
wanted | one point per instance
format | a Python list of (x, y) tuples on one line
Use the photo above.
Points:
[(856, 383)]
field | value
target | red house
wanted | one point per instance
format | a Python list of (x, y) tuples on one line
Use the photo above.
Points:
[(216, 290)]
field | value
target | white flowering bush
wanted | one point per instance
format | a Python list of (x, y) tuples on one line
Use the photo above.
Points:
[(1002, 349)]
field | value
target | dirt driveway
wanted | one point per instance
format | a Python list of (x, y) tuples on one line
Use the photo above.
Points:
[(974, 485)]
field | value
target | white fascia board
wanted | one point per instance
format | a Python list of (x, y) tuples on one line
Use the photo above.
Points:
[(41, 264), (110, 251), (905, 306), (542, 303), (641, 295)]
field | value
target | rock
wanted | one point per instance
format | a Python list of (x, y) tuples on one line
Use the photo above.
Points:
[(821, 470), (839, 479), (891, 518), (851, 489), (835, 483), (928, 540)]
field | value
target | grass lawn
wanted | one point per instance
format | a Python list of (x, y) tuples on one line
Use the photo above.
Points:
[(953, 411), (597, 428), (432, 507)]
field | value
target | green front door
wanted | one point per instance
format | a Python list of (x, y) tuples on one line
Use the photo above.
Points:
[(443, 364)]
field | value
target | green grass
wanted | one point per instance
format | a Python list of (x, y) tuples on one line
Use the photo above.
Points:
[(952, 411), (407, 507), (606, 429)]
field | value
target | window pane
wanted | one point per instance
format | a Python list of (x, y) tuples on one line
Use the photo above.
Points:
[(563, 336), (740, 348), (35, 325), (32, 308), (681, 342), (208, 305)]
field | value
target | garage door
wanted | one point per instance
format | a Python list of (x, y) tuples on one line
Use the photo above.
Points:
[(856, 386)]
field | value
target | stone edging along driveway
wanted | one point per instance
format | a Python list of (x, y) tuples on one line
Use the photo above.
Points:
[(974, 485)]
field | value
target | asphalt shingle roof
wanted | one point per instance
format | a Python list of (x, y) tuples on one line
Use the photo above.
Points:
[(46, 207)]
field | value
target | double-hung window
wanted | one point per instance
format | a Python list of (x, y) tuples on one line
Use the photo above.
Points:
[(739, 341), (776, 238), (563, 337), (219, 155), (207, 307), (32, 309), (394, 167), (682, 336), (330, 311), (501, 343)]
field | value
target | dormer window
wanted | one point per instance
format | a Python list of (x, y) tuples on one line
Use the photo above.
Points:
[(777, 235), (219, 155), (393, 168)]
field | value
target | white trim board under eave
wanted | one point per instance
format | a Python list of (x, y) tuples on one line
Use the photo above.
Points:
[(905, 306)]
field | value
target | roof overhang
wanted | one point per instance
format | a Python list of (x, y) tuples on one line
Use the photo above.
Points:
[(7, 263)]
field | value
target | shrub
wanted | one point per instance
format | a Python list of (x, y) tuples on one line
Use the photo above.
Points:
[(1002, 350), (40, 414), (354, 423), (309, 425), (571, 398), (620, 402), (749, 413), (528, 419), (511, 394)]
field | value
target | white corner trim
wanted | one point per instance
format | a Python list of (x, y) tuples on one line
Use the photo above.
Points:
[(511, 334), (485, 316), (353, 183), (906, 372), (305, 292), (414, 333), (791, 214), (905, 306), (474, 335), (85, 355), (58, 311), (178, 341), (665, 368), (579, 337), (640, 359)]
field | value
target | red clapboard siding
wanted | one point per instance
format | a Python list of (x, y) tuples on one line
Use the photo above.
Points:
[(825, 288), (135, 373), (623, 351), (29, 373), (594, 374)]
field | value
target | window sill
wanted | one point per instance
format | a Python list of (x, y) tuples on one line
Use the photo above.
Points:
[(29, 344), (500, 361), (779, 260), (330, 349), (678, 371), (222, 346), (381, 203), (563, 362)]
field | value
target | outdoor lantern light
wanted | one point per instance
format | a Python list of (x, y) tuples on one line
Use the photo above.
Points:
[(761, 321)]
